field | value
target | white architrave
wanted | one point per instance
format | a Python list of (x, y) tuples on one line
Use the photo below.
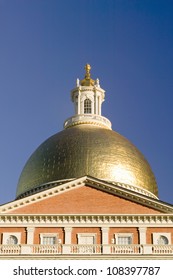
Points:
[(73, 220)]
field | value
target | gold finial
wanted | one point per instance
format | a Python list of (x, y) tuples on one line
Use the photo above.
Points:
[(87, 81), (87, 68)]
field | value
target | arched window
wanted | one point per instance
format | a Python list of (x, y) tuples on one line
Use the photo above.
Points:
[(87, 106), (12, 240), (163, 240)]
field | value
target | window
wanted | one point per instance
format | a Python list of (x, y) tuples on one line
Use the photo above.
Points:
[(163, 240), (87, 106), (12, 240), (48, 239), (86, 238), (123, 238), (86, 243)]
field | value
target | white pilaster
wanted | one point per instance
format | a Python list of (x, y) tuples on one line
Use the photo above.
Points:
[(105, 235), (30, 235), (100, 105), (105, 240), (142, 235), (67, 246), (68, 231)]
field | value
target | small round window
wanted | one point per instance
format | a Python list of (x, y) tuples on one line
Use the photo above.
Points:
[(163, 240), (12, 240)]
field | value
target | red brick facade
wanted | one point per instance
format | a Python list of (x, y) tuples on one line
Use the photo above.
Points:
[(85, 200)]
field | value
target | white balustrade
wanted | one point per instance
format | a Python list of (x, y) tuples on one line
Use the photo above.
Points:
[(10, 249), (126, 249), (131, 249), (162, 249), (46, 249), (86, 249)]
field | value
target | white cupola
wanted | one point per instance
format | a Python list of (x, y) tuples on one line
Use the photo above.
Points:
[(88, 97)]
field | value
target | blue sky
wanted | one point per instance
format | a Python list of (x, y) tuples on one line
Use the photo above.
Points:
[(44, 45)]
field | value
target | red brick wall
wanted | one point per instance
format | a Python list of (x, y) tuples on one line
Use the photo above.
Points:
[(84, 200)]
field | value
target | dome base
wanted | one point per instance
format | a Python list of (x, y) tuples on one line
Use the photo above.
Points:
[(88, 119)]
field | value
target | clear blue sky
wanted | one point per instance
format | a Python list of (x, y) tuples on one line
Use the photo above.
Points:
[(44, 45)]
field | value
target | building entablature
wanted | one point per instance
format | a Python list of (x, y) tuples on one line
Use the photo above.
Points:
[(86, 220)]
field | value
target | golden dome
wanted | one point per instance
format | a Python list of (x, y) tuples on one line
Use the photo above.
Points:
[(86, 150)]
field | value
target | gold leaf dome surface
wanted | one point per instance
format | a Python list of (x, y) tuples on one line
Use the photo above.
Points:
[(86, 150)]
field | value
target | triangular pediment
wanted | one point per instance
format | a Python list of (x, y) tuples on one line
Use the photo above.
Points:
[(86, 195)]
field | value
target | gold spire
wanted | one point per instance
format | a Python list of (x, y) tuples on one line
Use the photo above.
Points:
[(87, 81)]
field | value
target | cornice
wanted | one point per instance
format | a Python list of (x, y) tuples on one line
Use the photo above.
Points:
[(101, 185), (56, 189), (76, 220), (126, 192)]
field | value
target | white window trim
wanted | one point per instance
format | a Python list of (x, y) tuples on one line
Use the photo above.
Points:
[(116, 235), (156, 236), (42, 235), (6, 235), (87, 95), (87, 106), (79, 235)]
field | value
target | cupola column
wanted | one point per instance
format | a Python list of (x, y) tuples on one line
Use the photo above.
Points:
[(99, 106), (96, 105), (79, 101)]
